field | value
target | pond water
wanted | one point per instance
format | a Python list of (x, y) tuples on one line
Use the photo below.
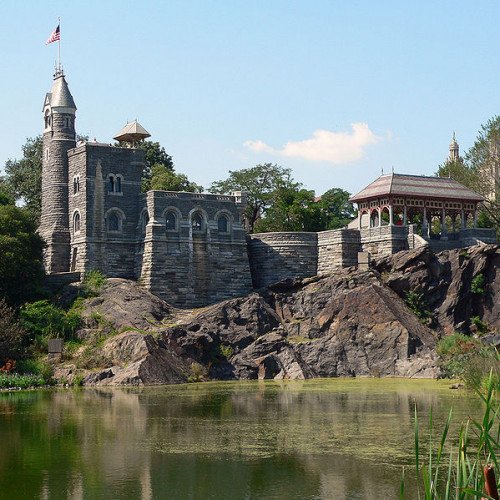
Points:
[(336, 438)]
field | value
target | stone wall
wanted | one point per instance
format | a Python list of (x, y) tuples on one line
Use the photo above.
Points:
[(337, 248), (384, 240), (191, 266), (99, 245), (276, 256)]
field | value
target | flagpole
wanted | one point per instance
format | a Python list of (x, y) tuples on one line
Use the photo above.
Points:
[(59, 46)]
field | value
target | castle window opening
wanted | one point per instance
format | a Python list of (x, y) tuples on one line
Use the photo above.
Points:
[(114, 222), (223, 224), (76, 185), (197, 222), (76, 222), (171, 221), (144, 221), (111, 184), (118, 184)]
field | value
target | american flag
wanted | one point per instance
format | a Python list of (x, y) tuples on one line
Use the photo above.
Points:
[(55, 36)]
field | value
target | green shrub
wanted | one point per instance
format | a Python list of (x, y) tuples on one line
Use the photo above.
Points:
[(415, 300), (12, 335), (198, 373), (32, 366), (468, 359), (11, 380), (226, 351), (46, 320), (480, 325), (93, 282), (477, 284)]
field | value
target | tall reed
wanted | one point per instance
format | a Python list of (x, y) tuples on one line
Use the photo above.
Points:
[(458, 470)]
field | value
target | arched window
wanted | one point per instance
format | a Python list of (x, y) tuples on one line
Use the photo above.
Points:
[(144, 221), (76, 222), (118, 184), (171, 221), (76, 185), (47, 119), (111, 184), (114, 221), (223, 224), (197, 222)]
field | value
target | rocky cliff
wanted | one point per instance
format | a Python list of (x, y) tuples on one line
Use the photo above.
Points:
[(350, 323)]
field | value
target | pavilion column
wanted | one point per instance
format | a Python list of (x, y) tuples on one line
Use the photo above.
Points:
[(453, 222), (379, 211), (404, 216), (462, 219), (359, 219), (475, 217), (391, 216), (425, 226), (444, 230)]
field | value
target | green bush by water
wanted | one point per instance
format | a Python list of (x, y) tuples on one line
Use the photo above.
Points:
[(469, 359), (22, 381)]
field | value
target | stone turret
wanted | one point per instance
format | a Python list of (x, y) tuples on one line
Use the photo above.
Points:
[(454, 150), (58, 138)]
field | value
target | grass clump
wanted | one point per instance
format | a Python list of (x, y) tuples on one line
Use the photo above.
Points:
[(93, 282), (480, 325), (198, 373)]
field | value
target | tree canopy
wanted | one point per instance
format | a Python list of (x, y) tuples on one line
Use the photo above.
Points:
[(476, 171), (21, 254), (260, 184), (167, 180), (155, 155), (276, 202)]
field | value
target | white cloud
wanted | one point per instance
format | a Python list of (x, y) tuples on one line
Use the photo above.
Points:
[(326, 146)]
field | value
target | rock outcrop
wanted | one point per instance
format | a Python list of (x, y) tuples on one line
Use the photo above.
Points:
[(446, 281), (350, 323)]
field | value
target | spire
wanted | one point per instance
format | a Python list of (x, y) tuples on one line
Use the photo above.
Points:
[(454, 149), (60, 96)]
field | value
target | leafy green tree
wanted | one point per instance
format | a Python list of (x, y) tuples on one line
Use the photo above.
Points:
[(155, 154), (21, 252), (166, 180), (337, 211), (24, 176), (260, 184), (292, 209), (12, 334), (476, 172)]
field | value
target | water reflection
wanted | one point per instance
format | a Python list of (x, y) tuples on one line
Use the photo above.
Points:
[(307, 439)]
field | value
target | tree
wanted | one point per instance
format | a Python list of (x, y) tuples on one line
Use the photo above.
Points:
[(336, 208), (24, 176), (477, 171), (166, 180), (155, 154), (21, 252), (260, 184), (12, 334)]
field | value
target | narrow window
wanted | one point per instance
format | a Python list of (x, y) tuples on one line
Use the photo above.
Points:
[(113, 222), (76, 222), (144, 222), (196, 222), (118, 184), (78, 184), (222, 224), (171, 221), (75, 189), (111, 185)]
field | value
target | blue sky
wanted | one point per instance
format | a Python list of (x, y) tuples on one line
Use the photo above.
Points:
[(335, 90)]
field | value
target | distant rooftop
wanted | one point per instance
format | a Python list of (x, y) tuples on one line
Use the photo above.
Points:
[(132, 132), (416, 186)]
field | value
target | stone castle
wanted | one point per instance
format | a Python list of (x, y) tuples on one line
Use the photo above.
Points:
[(191, 249)]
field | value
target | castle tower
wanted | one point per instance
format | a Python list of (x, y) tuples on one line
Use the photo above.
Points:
[(58, 137), (454, 150)]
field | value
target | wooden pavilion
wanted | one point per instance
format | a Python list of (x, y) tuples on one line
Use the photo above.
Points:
[(400, 200)]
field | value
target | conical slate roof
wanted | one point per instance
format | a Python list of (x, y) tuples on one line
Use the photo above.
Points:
[(132, 132), (60, 96)]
